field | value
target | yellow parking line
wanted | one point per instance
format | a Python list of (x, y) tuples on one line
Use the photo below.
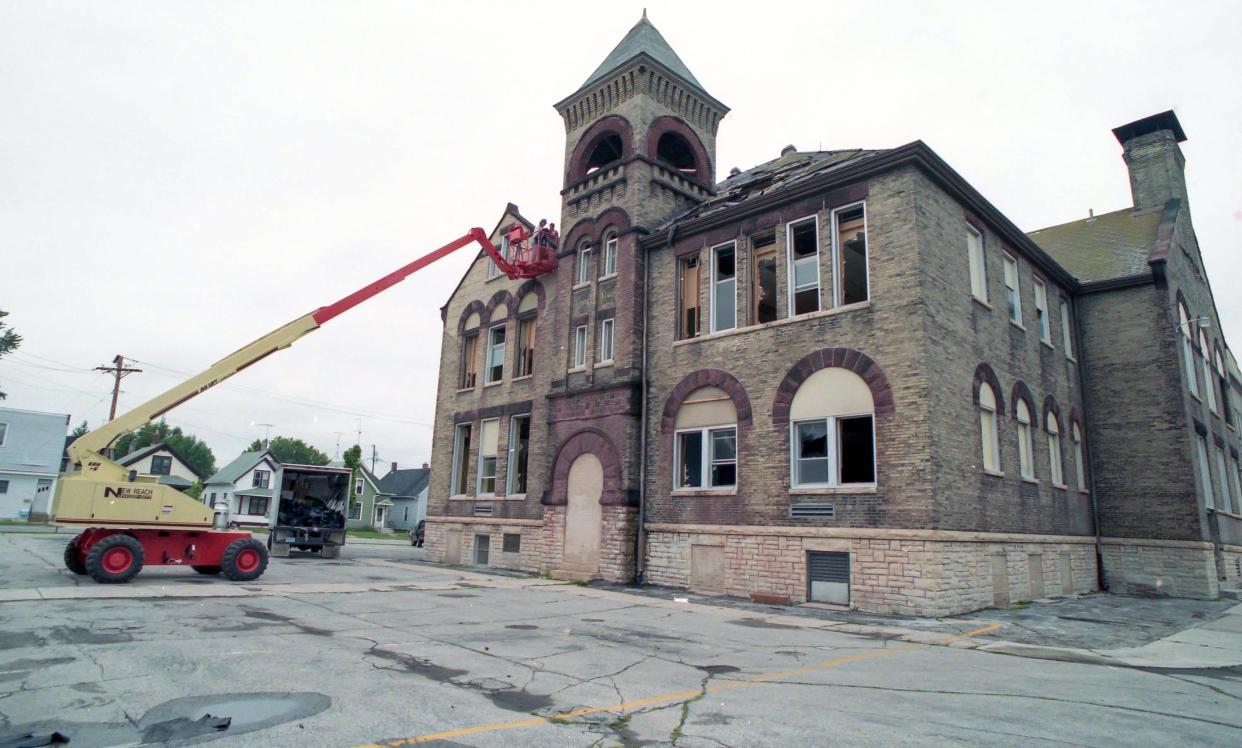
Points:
[(673, 696)]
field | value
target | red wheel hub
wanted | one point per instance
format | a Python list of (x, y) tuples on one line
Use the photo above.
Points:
[(117, 560), (248, 560)]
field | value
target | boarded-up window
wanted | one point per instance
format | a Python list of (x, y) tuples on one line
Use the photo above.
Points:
[(469, 360), (489, 444), (763, 285), (688, 297), (461, 458), (851, 254), (525, 364)]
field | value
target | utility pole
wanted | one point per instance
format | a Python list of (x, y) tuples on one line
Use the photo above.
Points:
[(337, 456), (118, 370)]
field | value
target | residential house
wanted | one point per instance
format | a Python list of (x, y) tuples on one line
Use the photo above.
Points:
[(31, 443), (407, 491), (245, 486), (368, 509), (166, 462)]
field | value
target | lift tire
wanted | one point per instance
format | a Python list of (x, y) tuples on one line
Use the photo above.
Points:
[(115, 559), (244, 560), (73, 559), (209, 570)]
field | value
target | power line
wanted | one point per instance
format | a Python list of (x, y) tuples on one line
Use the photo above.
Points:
[(119, 370)]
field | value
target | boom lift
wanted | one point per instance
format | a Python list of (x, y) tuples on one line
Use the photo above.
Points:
[(133, 521)]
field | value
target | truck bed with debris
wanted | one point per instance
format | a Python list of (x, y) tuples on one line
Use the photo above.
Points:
[(310, 510)]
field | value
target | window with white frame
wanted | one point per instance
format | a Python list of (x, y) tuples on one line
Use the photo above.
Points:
[(580, 340), (832, 434), (1188, 353), (493, 270), (261, 479), (489, 445), (358, 483), (978, 269), (605, 340), (1013, 292), (724, 287), (1080, 465), (1222, 469), (1209, 386), (1205, 475), (496, 354), (1067, 331), (1041, 311), (610, 257), (803, 249), (519, 452), (705, 441), (989, 430), (355, 510), (1055, 465), (1026, 444), (850, 243), (461, 459), (584, 264)]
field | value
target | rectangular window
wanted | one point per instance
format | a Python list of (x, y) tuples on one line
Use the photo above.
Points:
[(584, 265), (496, 354), (1205, 474), (4, 432), (1054, 459), (1013, 292), (1080, 465), (1041, 311), (724, 287), (991, 439), (4, 486), (489, 445), (1026, 451), (763, 285), (688, 317), (469, 360), (1067, 331), (525, 364), (482, 549), (161, 465), (580, 347), (610, 257), (851, 247), (605, 341), (1237, 489), (1188, 355), (978, 269), (803, 247), (493, 270), (355, 510), (262, 479), (358, 485), (461, 458), (512, 542), (258, 505), (1226, 494), (519, 451), (706, 458), (836, 451)]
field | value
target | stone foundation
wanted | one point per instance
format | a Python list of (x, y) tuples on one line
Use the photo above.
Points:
[(1174, 568), (1231, 556), (910, 572)]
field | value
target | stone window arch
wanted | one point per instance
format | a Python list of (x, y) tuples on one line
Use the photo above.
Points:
[(588, 441), (705, 426), (1023, 407), (832, 431), (1052, 430), (609, 141), (674, 145)]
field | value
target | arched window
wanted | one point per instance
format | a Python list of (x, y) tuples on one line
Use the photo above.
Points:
[(584, 263), (705, 441), (1026, 444), (1208, 385), (610, 255), (1055, 464), (607, 150), (674, 151), (832, 435), (1080, 465), (1188, 354), (989, 430)]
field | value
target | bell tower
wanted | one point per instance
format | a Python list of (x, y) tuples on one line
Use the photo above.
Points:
[(640, 148)]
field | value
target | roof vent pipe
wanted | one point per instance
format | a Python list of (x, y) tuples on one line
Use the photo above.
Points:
[(1090, 215)]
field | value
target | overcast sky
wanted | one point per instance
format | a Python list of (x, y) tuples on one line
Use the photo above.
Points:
[(179, 178)]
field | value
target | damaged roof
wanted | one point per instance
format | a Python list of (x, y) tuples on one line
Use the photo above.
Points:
[(1112, 245), (793, 166)]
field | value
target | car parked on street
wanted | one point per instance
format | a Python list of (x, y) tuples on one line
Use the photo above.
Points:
[(416, 535)]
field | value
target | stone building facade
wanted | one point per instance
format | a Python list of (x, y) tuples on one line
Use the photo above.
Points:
[(839, 377)]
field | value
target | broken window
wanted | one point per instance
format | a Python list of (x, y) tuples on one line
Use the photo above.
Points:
[(489, 445), (525, 364), (605, 340), (832, 439), (580, 341), (675, 151), (496, 354), (724, 287), (763, 285), (161, 465), (607, 150), (1041, 311), (688, 297), (707, 458), (519, 450), (469, 360), (803, 239), (1013, 292), (851, 239), (610, 257), (461, 459)]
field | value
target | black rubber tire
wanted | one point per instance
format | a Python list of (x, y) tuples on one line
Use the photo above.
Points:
[(234, 561), (208, 570), (101, 573), (73, 559)]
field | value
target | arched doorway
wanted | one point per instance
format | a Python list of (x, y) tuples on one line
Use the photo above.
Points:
[(583, 515)]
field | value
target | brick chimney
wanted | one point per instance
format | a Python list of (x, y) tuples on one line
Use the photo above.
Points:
[(394, 467), (1154, 159), (426, 466)]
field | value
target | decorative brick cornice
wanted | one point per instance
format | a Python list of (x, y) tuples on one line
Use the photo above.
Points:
[(844, 358)]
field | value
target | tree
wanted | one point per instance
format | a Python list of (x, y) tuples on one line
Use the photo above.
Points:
[(353, 461), (293, 451), (9, 340), (82, 430), (193, 449)]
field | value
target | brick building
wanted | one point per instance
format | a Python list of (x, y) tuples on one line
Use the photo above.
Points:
[(839, 376)]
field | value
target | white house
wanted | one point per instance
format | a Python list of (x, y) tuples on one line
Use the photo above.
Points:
[(165, 462), (31, 444), (245, 484)]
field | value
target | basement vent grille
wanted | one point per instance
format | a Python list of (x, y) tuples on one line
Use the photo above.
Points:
[(826, 511), (484, 510)]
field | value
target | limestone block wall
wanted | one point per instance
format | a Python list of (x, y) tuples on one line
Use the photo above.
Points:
[(619, 532), (540, 548), (1231, 555), (1161, 567)]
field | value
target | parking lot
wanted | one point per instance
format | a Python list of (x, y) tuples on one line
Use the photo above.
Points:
[(378, 647)]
